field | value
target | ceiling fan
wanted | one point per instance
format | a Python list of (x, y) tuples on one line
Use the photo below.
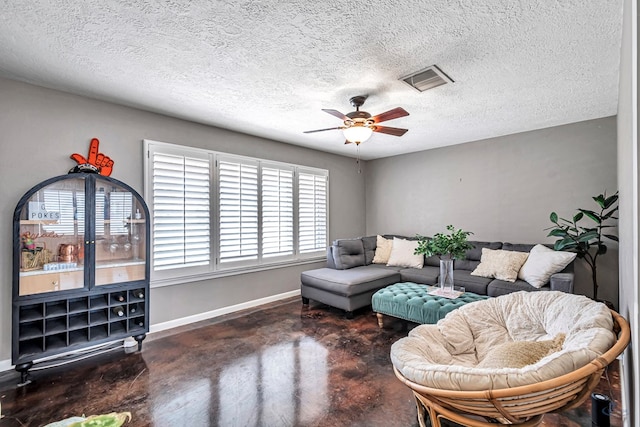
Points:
[(359, 125)]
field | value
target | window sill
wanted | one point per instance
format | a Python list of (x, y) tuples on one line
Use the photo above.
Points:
[(159, 283)]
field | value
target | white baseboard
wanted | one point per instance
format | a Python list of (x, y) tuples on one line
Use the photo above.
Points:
[(221, 311), (6, 365), (626, 422)]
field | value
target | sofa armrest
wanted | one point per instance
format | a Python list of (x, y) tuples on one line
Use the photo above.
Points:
[(330, 262), (562, 282)]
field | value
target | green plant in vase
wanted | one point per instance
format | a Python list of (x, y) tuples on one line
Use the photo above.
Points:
[(587, 242), (447, 247)]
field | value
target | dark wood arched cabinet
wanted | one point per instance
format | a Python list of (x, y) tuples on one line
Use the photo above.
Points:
[(80, 267)]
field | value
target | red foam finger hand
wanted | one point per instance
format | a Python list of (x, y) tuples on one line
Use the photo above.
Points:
[(93, 151), (107, 168), (78, 158), (99, 160)]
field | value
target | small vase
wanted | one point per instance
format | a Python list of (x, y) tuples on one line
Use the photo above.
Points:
[(446, 275)]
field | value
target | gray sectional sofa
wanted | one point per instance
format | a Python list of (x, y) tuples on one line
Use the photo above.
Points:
[(350, 278)]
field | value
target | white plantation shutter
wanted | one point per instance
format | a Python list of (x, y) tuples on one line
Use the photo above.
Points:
[(238, 204), (312, 212), (120, 209), (62, 201), (181, 191), (216, 214), (277, 211), (100, 213)]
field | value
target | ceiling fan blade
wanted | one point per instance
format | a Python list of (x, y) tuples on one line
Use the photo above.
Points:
[(389, 130), (321, 130), (336, 113), (347, 141), (390, 115)]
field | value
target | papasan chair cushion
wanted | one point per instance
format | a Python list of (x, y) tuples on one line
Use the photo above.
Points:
[(446, 355)]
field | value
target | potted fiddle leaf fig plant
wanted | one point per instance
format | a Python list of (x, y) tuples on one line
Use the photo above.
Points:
[(587, 241), (447, 247)]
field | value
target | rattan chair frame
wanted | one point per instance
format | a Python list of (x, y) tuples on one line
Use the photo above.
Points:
[(523, 406)]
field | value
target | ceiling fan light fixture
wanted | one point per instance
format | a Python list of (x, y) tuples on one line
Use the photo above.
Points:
[(357, 133)]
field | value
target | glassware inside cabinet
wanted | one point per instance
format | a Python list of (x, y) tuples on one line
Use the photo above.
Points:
[(52, 231), (120, 235)]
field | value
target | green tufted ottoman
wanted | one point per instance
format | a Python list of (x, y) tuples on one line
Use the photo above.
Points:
[(411, 301)]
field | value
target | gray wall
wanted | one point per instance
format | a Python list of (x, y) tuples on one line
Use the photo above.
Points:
[(502, 189), (628, 159), (42, 127)]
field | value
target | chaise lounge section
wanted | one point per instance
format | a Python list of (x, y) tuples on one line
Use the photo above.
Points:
[(351, 276)]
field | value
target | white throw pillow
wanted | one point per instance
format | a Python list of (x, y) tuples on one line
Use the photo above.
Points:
[(542, 263), (500, 264), (402, 254), (383, 250)]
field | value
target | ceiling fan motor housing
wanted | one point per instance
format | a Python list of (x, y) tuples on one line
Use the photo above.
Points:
[(358, 101), (358, 115)]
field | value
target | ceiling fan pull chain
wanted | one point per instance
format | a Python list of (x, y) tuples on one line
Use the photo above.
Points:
[(358, 158)]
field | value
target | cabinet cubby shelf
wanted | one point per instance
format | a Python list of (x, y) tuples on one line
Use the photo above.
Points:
[(56, 311), (100, 301), (29, 314), (30, 331), (79, 320)]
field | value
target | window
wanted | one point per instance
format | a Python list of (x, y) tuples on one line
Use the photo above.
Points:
[(238, 202), (277, 212), (120, 207), (70, 205), (313, 212), (215, 213), (181, 211)]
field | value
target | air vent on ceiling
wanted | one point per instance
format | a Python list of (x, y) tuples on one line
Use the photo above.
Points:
[(427, 79)]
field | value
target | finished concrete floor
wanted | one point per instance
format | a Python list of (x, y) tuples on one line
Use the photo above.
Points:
[(278, 365)]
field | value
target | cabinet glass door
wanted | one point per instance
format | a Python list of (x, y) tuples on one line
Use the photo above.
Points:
[(119, 235), (52, 232)]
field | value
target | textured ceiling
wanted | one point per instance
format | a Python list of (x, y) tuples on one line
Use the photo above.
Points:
[(268, 67)]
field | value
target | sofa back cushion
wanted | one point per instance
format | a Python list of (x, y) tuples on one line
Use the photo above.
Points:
[(517, 247), (348, 253), (472, 257), (369, 244), (432, 261)]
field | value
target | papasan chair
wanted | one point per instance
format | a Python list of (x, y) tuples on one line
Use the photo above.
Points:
[(472, 368)]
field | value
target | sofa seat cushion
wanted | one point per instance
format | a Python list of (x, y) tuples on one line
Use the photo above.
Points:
[(500, 287), (349, 282), (427, 275), (385, 267), (476, 284)]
